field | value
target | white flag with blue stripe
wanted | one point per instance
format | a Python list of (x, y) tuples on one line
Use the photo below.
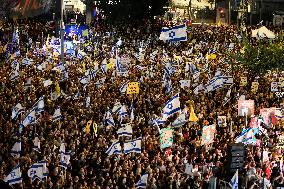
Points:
[(39, 105), (15, 176), (17, 110), (172, 106), (142, 183), (16, 150), (125, 130), (115, 148), (235, 181), (108, 119), (15, 75), (176, 33), (29, 119), (122, 112), (180, 120), (123, 88), (214, 84), (116, 108), (131, 112), (38, 171), (133, 146), (57, 115), (65, 159)]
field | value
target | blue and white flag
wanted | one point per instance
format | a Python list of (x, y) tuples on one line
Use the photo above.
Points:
[(168, 70), (131, 109), (142, 183), (29, 119), (235, 181), (184, 83), (115, 148), (84, 80), (38, 171), (133, 146), (279, 113), (180, 120), (104, 66), (168, 86), (15, 176), (122, 112), (214, 84), (123, 88), (36, 146), (91, 73), (16, 150), (17, 110), (39, 105), (15, 75), (176, 33), (172, 106), (198, 89), (28, 84), (108, 119), (125, 130), (57, 115), (65, 159), (247, 137), (116, 108), (228, 80)]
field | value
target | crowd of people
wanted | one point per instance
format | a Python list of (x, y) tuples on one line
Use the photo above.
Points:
[(187, 163)]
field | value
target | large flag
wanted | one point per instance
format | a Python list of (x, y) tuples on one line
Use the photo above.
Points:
[(171, 107), (247, 137), (16, 150), (115, 148), (38, 170), (235, 181), (208, 133), (17, 110), (15, 176), (133, 146), (214, 84), (176, 33), (125, 130), (166, 138), (142, 183)]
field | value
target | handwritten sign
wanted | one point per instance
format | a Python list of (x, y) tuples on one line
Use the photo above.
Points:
[(254, 87)]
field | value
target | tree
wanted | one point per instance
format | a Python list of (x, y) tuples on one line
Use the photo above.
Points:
[(129, 10), (257, 59)]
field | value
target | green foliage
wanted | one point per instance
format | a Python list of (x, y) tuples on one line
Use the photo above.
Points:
[(260, 56)]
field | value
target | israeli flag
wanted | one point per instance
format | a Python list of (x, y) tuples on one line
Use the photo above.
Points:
[(15, 176), (17, 110), (28, 84), (39, 105), (131, 112), (247, 137), (116, 108), (65, 160), (279, 113), (57, 115), (16, 150), (168, 70), (214, 84), (176, 33), (104, 66), (133, 146), (38, 170), (84, 80), (36, 146), (172, 106), (123, 112), (115, 148), (142, 183), (125, 130), (29, 119), (235, 181), (184, 83), (227, 80), (15, 75), (180, 120), (123, 88), (108, 119)]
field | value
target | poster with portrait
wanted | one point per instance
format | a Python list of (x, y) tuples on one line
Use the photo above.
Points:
[(245, 107)]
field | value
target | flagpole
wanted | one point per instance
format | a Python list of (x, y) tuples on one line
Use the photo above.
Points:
[(62, 32)]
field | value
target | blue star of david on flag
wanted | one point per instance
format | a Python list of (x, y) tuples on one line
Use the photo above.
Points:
[(133, 144), (172, 34), (170, 106)]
